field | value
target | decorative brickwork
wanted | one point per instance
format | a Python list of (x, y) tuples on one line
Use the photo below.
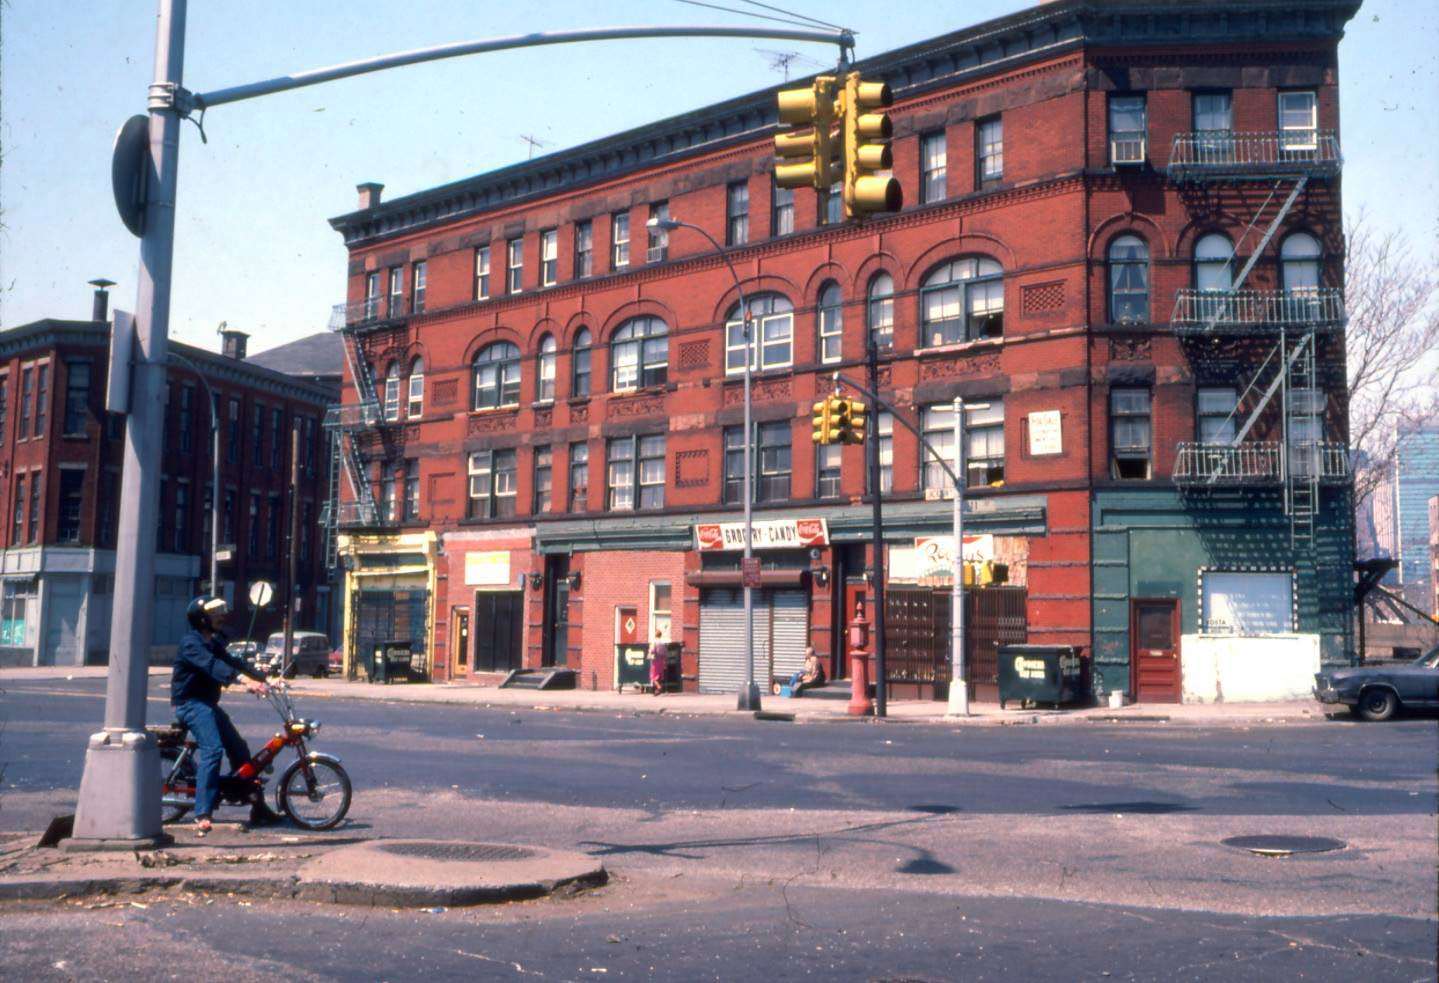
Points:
[(694, 356), (445, 392), (1130, 349), (637, 406), (1043, 298), (491, 423), (579, 412), (980, 364), (545, 417), (761, 390), (692, 468)]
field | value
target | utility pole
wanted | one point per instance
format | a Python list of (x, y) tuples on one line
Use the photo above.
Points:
[(292, 551), (118, 805), (872, 451), (958, 684)]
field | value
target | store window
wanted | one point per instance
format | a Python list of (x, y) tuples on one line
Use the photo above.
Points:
[(15, 597), (1244, 603)]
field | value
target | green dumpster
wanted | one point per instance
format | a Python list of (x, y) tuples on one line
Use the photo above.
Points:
[(1032, 674)]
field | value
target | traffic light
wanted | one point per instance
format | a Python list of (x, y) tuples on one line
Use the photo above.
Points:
[(807, 152), (825, 431), (866, 149), (856, 420)]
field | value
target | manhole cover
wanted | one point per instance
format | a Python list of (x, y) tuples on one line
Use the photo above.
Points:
[(466, 852), (1283, 846)]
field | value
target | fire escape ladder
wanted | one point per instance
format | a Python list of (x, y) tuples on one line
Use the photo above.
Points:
[(1302, 430), (332, 504)]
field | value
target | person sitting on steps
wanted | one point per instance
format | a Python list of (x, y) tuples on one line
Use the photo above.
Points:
[(809, 677)]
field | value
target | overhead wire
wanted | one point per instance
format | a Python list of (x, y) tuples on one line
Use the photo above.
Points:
[(749, 13), (791, 13)]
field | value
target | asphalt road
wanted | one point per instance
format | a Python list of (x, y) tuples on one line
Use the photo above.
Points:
[(837, 850)]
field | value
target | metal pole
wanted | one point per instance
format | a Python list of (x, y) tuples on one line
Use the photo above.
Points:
[(293, 547), (958, 686), (872, 447), (117, 804)]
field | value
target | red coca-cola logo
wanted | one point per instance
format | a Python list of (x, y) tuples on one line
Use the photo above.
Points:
[(810, 531), (709, 537)]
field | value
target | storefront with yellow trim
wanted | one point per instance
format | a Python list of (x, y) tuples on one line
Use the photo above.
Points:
[(389, 593)]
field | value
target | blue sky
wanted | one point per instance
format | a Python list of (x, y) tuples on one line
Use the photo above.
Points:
[(253, 246)]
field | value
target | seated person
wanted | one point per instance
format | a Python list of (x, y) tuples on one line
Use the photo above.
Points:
[(810, 676)]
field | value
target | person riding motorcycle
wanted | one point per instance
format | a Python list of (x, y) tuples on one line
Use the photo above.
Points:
[(202, 667)]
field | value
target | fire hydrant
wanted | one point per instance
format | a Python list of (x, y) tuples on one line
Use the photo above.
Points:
[(860, 704)]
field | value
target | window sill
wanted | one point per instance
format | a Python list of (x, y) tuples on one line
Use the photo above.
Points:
[(577, 400), (495, 410), (958, 347), (776, 372)]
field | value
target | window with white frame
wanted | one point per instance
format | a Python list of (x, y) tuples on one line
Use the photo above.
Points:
[(1246, 603), (544, 480), (659, 238), (1214, 122), (584, 249), (660, 611), (482, 273), (1128, 129), (1298, 121), (635, 472), (392, 391), (619, 240), (1299, 257), (549, 257), (639, 354), (879, 311), (782, 213), (771, 319), (962, 300), (515, 265), (579, 476), (933, 166), (1130, 432), (827, 470), (492, 484), (831, 204), (416, 407), (1213, 256), (984, 444), (1128, 280), (418, 275), (545, 364), (497, 376), (937, 425), (372, 296), (884, 433), (989, 150), (737, 213), (831, 323), (396, 304), (580, 364), (1214, 416)]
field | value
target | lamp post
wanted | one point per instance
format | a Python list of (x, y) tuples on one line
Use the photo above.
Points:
[(958, 686), (749, 698)]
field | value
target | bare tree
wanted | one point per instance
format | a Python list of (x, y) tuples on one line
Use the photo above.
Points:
[(1392, 346)]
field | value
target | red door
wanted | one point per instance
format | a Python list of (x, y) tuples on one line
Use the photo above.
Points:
[(627, 626), (1154, 651)]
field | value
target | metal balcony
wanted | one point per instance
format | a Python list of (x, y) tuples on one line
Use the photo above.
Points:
[(1221, 155), (1259, 463), (1257, 312), (371, 312), (353, 416), (1322, 460), (343, 515)]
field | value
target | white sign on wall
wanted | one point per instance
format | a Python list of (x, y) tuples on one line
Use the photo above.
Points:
[(1044, 433), (487, 569), (932, 557)]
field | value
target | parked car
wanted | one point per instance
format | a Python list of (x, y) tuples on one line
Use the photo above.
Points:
[(309, 654), (337, 661), (249, 650), (1378, 691)]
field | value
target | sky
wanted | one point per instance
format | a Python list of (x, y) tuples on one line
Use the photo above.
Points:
[(253, 245)]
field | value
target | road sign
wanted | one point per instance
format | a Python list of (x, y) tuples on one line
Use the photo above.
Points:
[(261, 593), (129, 165), (224, 554), (749, 572)]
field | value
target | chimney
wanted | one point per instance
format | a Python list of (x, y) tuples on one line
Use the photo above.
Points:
[(233, 345), (100, 310), (369, 194)]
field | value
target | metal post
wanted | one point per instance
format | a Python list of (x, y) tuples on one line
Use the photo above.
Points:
[(118, 806), (292, 552), (872, 449), (958, 685)]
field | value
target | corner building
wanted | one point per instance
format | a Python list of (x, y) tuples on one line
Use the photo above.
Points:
[(542, 428)]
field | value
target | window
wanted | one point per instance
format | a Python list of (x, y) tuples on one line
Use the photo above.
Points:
[(827, 470), (1299, 258), (180, 532), (984, 444), (772, 463), (619, 240), (639, 354), (1246, 603), (14, 607), (27, 393), (1128, 130), (412, 490), (207, 520), (186, 425), (937, 425), (579, 476), (397, 292), (880, 311), (515, 258), (584, 249), (831, 204), (227, 532), (962, 300), (17, 528), (549, 257), (254, 525), (659, 239), (277, 438), (42, 397), (4, 402), (831, 323), (232, 444), (77, 398), (272, 541), (772, 340), (933, 166), (257, 435), (884, 431), (307, 442), (1128, 280), (989, 150), (72, 496), (389, 494), (1214, 421), (660, 611), (545, 363), (1212, 259), (492, 484), (416, 407), (392, 391), (372, 296), (636, 473), (1214, 125), (497, 376), (782, 211), (417, 286), (580, 366), (544, 464), (482, 273), (736, 230), (307, 522), (1298, 121), (1130, 432)]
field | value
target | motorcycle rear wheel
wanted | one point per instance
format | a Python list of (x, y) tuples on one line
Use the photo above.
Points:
[(174, 811), (315, 794)]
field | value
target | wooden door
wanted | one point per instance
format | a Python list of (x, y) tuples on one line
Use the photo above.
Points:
[(460, 644), (1154, 651), (499, 617), (628, 630)]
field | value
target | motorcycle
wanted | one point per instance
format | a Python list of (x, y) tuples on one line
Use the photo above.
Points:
[(314, 790)]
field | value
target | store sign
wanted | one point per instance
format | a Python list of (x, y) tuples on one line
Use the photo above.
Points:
[(487, 569), (931, 561), (769, 534), (1044, 433)]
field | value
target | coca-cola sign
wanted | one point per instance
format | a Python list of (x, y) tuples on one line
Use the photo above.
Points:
[(769, 534)]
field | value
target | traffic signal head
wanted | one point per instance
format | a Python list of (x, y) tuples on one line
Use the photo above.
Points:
[(856, 422), (866, 149), (825, 431), (806, 152)]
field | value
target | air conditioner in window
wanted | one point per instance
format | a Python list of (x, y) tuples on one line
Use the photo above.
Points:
[(1127, 148)]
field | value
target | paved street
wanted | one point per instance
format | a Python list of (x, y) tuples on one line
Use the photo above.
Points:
[(838, 850)]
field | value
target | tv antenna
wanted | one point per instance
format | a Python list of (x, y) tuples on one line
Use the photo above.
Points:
[(534, 142), (780, 61)]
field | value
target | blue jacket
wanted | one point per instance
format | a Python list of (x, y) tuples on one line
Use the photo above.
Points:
[(202, 667)]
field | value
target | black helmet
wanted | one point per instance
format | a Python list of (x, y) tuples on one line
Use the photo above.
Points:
[(206, 611)]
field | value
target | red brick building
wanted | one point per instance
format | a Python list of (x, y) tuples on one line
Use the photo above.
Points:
[(544, 411), (60, 463)]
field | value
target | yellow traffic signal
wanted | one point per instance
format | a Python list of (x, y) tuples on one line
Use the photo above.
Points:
[(825, 431), (856, 421), (807, 152), (866, 149)]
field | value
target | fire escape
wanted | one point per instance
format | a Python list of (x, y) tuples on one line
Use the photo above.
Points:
[(1282, 329)]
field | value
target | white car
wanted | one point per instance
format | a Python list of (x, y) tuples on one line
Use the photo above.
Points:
[(309, 655)]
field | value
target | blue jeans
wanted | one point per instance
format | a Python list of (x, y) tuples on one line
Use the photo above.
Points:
[(217, 738)]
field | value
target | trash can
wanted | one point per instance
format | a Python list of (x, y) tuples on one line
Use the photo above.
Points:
[(377, 665), (632, 667), (1051, 674)]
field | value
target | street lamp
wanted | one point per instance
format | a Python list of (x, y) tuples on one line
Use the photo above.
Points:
[(749, 694)]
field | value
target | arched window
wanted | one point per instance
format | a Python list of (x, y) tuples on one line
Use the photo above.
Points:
[(639, 354), (580, 367), (416, 407), (879, 311), (1299, 262), (772, 343), (1212, 263), (831, 323), (1128, 279), (392, 391), (962, 300), (545, 363), (497, 376)]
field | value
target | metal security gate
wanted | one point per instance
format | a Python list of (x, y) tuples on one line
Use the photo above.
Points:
[(722, 625), (789, 620), (391, 615), (499, 616)]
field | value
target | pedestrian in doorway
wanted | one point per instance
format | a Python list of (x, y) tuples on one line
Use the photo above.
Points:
[(659, 659), (810, 676)]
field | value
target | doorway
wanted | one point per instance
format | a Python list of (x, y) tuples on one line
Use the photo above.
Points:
[(499, 615), (1154, 650), (557, 611), (460, 645)]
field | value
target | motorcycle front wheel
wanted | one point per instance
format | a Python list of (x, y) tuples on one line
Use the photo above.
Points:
[(315, 794), (174, 804)]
